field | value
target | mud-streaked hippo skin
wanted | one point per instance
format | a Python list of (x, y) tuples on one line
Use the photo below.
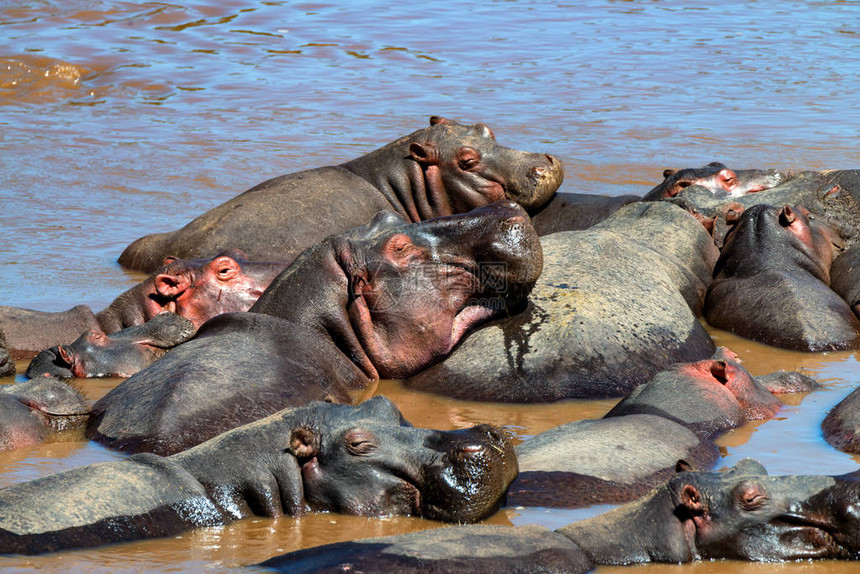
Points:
[(718, 179), (31, 410), (363, 460), (444, 169), (120, 354), (604, 461), (476, 549), (383, 300), (771, 283), (738, 514), (615, 304), (709, 397), (197, 289), (7, 364)]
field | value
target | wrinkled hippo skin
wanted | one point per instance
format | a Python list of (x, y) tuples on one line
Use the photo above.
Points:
[(845, 277), (738, 514), (444, 169), (121, 354), (604, 461), (709, 397), (7, 364), (384, 300), (783, 382), (576, 211), (718, 179), (614, 305), (31, 410), (195, 289), (771, 283), (477, 549), (840, 426), (363, 460)]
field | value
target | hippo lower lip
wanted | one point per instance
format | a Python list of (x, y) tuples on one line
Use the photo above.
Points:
[(467, 318)]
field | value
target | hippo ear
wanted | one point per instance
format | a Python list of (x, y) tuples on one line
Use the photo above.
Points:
[(425, 154), (304, 443), (691, 499), (225, 268), (357, 283), (171, 285), (65, 354), (683, 466), (667, 172), (435, 120)]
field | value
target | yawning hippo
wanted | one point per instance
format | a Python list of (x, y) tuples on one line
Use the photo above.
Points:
[(385, 300), (362, 460), (195, 289), (445, 169)]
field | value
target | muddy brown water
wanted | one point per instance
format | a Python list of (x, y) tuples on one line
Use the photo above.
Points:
[(119, 119)]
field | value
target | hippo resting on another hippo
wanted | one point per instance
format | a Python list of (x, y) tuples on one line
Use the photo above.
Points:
[(121, 354), (845, 277), (444, 169), (738, 514), (385, 300), (636, 445), (771, 283), (718, 179), (614, 305), (195, 289), (31, 410), (361, 460)]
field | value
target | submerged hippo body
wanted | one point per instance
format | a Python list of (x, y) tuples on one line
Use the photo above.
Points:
[(361, 460), (771, 283), (441, 170), (121, 354), (384, 300), (195, 289), (31, 410), (718, 179), (738, 514), (615, 304)]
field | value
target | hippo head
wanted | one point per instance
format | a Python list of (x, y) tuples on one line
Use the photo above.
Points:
[(199, 289), (362, 460), (7, 365), (120, 354), (411, 291), (57, 403), (378, 466), (745, 514), (716, 178), (780, 235)]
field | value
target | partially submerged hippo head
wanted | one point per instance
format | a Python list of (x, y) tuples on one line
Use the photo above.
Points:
[(7, 365), (740, 514), (121, 354), (716, 178), (383, 467), (465, 168), (411, 291), (30, 410)]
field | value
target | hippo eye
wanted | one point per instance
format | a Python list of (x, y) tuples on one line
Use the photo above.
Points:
[(360, 442), (751, 496), (467, 159)]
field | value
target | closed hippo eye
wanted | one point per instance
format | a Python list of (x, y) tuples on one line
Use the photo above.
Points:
[(751, 496), (468, 158), (360, 442)]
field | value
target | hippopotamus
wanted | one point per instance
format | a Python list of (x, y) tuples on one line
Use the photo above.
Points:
[(738, 514), (363, 460), (845, 277), (195, 289), (31, 410), (7, 364), (444, 169), (120, 354), (771, 283), (384, 300), (615, 304), (718, 179), (577, 211), (840, 426), (709, 397)]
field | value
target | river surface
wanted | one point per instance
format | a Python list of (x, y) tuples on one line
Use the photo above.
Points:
[(119, 119)]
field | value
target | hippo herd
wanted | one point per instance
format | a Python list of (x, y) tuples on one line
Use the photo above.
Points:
[(453, 264)]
